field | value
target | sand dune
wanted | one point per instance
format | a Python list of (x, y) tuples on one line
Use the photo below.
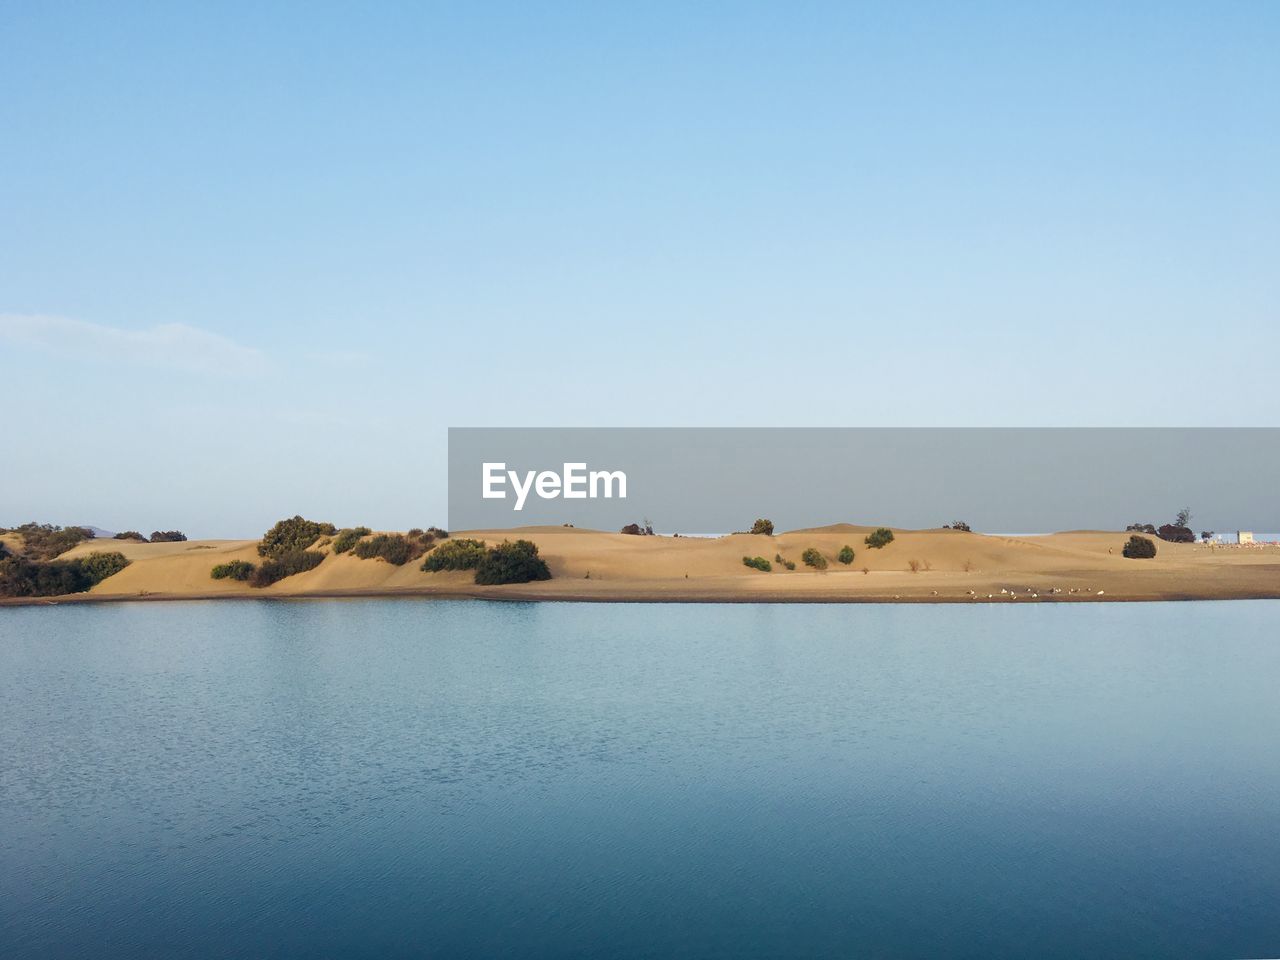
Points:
[(952, 566)]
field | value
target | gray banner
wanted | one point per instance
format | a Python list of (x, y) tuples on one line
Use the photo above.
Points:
[(714, 480)]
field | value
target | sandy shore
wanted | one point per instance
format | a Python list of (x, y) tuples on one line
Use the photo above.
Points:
[(953, 567)]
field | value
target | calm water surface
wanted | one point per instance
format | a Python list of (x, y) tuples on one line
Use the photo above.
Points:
[(409, 778)]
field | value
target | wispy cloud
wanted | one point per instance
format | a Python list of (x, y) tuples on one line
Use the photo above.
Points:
[(169, 345)]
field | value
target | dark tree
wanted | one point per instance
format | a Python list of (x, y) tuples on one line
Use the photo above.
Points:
[(762, 526), (1139, 548)]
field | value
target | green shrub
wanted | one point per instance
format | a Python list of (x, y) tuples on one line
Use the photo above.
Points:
[(762, 526), (20, 577), (789, 564), (757, 563), (233, 570), (438, 533), (44, 541), (845, 555), (509, 562), (391, 547), (292, 536), (131, 535), (1139, 548), (455, 555), (99, 566), (167, 536), (285, 565), (879, 538), (346, 539), (957, 525), (812, 558)]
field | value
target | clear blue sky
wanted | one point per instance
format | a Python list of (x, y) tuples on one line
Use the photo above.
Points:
[(256, 261)]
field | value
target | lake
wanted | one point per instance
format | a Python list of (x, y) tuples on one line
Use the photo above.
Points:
[(423, 778)]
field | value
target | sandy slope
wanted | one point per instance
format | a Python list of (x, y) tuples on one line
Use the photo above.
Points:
[(591, 565)]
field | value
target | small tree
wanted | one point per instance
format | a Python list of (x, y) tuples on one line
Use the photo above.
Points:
[(1139, 548), (167, 536), (812, 558), (757, 563), (845, 555), (958, 525), (1174, 533), (763, 526), (1183, 519), (879, 538)]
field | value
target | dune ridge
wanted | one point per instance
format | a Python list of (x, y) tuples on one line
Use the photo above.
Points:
[(591, 565)]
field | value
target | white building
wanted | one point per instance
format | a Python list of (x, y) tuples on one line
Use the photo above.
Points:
[(1244, 536)]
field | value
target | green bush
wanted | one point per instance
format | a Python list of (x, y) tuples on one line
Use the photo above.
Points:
[(845, 555), (812, 558), (131, 535), (20, 577), (346, 539), (455, 555), (292, 536), (757, 563), (167, 536), (879, 538), (285, 565), (99, 566), (762, 526), (438, 533), (509, 562), (44, 541), (233, 570), (1139, 548), (391, 547)]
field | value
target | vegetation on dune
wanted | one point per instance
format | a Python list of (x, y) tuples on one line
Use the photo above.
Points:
[(130, 535), (167, 536), (1139, 548), (395, 548), (1177, 532), (455, 555), (762, 526), (44, 541), (845, 555), (233, 570), (757, 563), (879, 538), (348, 537), (22, 577), (812, 558), (292, 536), (636, 530), (957, 525), (285, 565), (512, 562)]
